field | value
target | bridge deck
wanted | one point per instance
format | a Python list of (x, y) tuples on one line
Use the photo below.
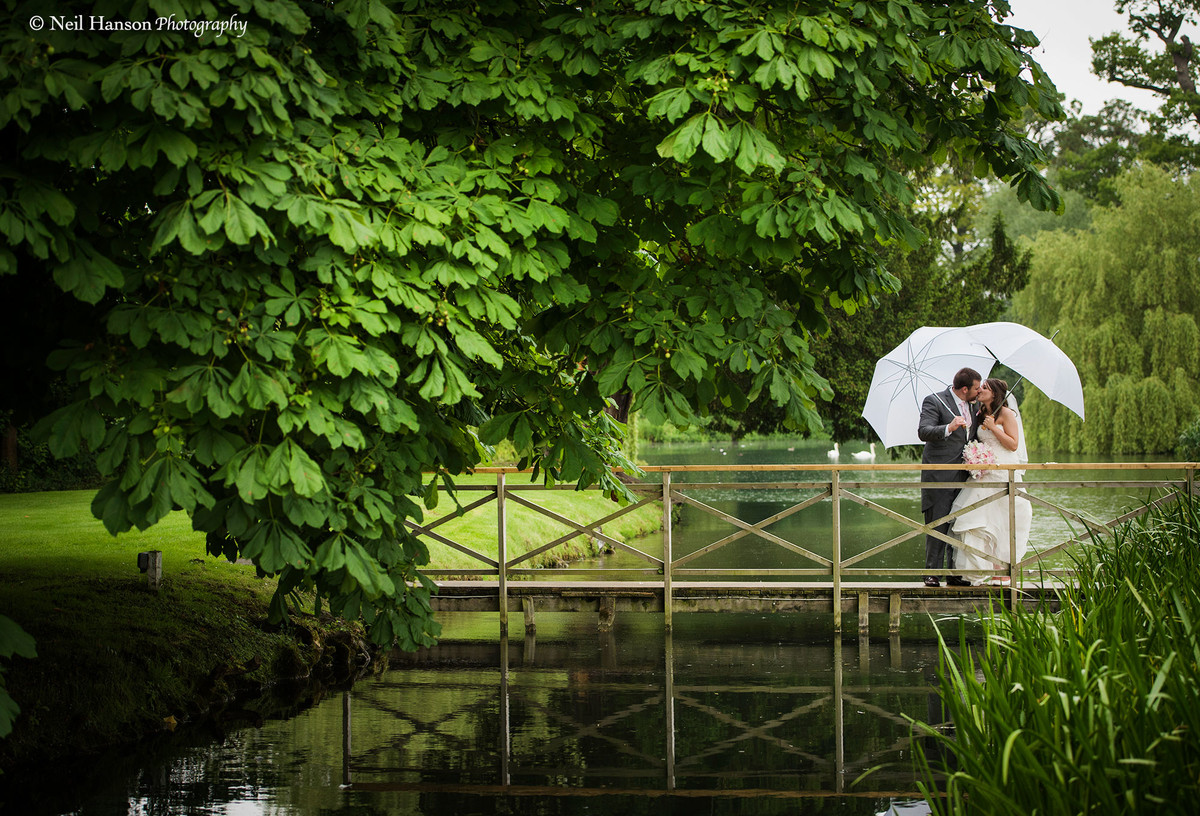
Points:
[(609, 597)]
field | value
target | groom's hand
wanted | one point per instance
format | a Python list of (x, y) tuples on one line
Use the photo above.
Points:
[(956, 423)]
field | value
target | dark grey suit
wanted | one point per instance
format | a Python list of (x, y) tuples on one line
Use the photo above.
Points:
[(938, 411)]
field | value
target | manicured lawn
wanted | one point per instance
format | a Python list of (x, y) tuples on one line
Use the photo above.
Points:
[(528, 529)]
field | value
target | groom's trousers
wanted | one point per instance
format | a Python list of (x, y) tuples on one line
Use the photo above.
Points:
[(939, 555)]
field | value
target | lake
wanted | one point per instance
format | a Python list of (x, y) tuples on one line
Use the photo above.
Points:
[(731, 713)]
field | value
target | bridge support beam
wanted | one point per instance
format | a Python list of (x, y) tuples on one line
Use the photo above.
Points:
[(836, 501), (527, 608), (608, 612), (502, 553), (864, 613), (667, 556), (894, 614)]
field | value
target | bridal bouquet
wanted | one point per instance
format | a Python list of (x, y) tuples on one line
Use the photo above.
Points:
[(977, 453)]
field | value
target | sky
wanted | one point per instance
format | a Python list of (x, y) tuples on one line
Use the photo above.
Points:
[(1064, 27)]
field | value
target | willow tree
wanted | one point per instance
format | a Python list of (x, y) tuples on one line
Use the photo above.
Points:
[(363, 239), (1126, 297)]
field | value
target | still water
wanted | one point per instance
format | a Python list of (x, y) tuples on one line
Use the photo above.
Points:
[(731, 714)]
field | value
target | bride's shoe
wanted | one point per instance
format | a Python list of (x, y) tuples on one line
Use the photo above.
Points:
[(1000, 580)]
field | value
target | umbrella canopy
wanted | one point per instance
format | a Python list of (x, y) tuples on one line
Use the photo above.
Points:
[(925, 363), (1035, 358)]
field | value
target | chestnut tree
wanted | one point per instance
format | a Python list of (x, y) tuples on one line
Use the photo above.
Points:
[(334, 254)]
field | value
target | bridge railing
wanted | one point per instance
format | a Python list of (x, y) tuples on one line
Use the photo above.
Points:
[(814, 484)]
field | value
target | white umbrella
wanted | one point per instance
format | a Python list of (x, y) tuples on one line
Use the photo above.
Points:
[(1035, 358), (923, 364)]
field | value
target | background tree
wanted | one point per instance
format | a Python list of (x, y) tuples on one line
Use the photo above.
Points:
[(1135, 61), (1126, 297), (359, 240), (937, 289)]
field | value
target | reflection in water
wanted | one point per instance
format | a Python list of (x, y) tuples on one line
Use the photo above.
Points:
[(734, 713)]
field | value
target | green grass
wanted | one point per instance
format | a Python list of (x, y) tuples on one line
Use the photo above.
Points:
[(1095, 709), (528, 529)]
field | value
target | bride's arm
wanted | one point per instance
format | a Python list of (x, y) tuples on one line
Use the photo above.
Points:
[(1006, 429)]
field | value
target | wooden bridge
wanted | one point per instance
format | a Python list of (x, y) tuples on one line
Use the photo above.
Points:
[(831, 580)]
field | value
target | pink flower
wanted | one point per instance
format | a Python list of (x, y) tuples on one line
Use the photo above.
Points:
[(977, 453)]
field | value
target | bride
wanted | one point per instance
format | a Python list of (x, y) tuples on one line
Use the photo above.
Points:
[(986, 528)]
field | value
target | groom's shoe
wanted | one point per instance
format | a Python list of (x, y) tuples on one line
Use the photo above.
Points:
[(956, 580), (931, 581)]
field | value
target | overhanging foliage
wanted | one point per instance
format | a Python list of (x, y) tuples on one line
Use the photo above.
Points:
[(325, 252)]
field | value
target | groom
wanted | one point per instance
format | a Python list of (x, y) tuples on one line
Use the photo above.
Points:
[(948, 422)]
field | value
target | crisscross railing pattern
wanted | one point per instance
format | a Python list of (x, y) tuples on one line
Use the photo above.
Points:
[(823, 483), (635, 731)]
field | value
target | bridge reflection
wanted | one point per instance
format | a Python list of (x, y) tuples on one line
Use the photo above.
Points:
[(776, 720)]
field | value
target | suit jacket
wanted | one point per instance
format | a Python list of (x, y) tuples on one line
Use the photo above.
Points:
[(942, 449)]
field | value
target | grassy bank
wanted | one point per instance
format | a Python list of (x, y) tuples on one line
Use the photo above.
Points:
[(528, 529), (116, 661), (1095, 709)]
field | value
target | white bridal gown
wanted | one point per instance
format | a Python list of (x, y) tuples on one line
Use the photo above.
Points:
[(986, 528)]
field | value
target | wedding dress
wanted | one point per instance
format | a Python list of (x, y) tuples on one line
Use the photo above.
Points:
[(986, 528)]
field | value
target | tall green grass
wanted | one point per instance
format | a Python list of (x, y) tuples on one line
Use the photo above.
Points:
[(1093, 709)]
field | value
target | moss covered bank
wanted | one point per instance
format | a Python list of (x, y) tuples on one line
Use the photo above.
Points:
[(170, 664), (118, 663)]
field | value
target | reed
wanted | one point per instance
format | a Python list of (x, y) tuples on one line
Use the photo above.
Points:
[(1092, 709)]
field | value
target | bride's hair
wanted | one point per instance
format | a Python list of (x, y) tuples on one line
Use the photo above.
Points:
[(999, 389)]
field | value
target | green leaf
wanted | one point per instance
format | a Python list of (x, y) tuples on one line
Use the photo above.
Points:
[(69, 427), (477, 348), (242, 224), (716, 139), (14, 640), (496, 429), (88, 275), (304, 472)]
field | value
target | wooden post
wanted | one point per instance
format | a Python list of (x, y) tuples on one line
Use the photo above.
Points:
[(666, 503), (154, 569), (608, 612), (894, 614), (527, 607), (1012, 539), (502, 554), (864, 613), (835, 490)]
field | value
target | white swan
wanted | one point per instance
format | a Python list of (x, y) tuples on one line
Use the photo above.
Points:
[(835, 453), (865, 456)]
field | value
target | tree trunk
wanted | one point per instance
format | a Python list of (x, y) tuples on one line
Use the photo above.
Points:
[(10, 448)]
